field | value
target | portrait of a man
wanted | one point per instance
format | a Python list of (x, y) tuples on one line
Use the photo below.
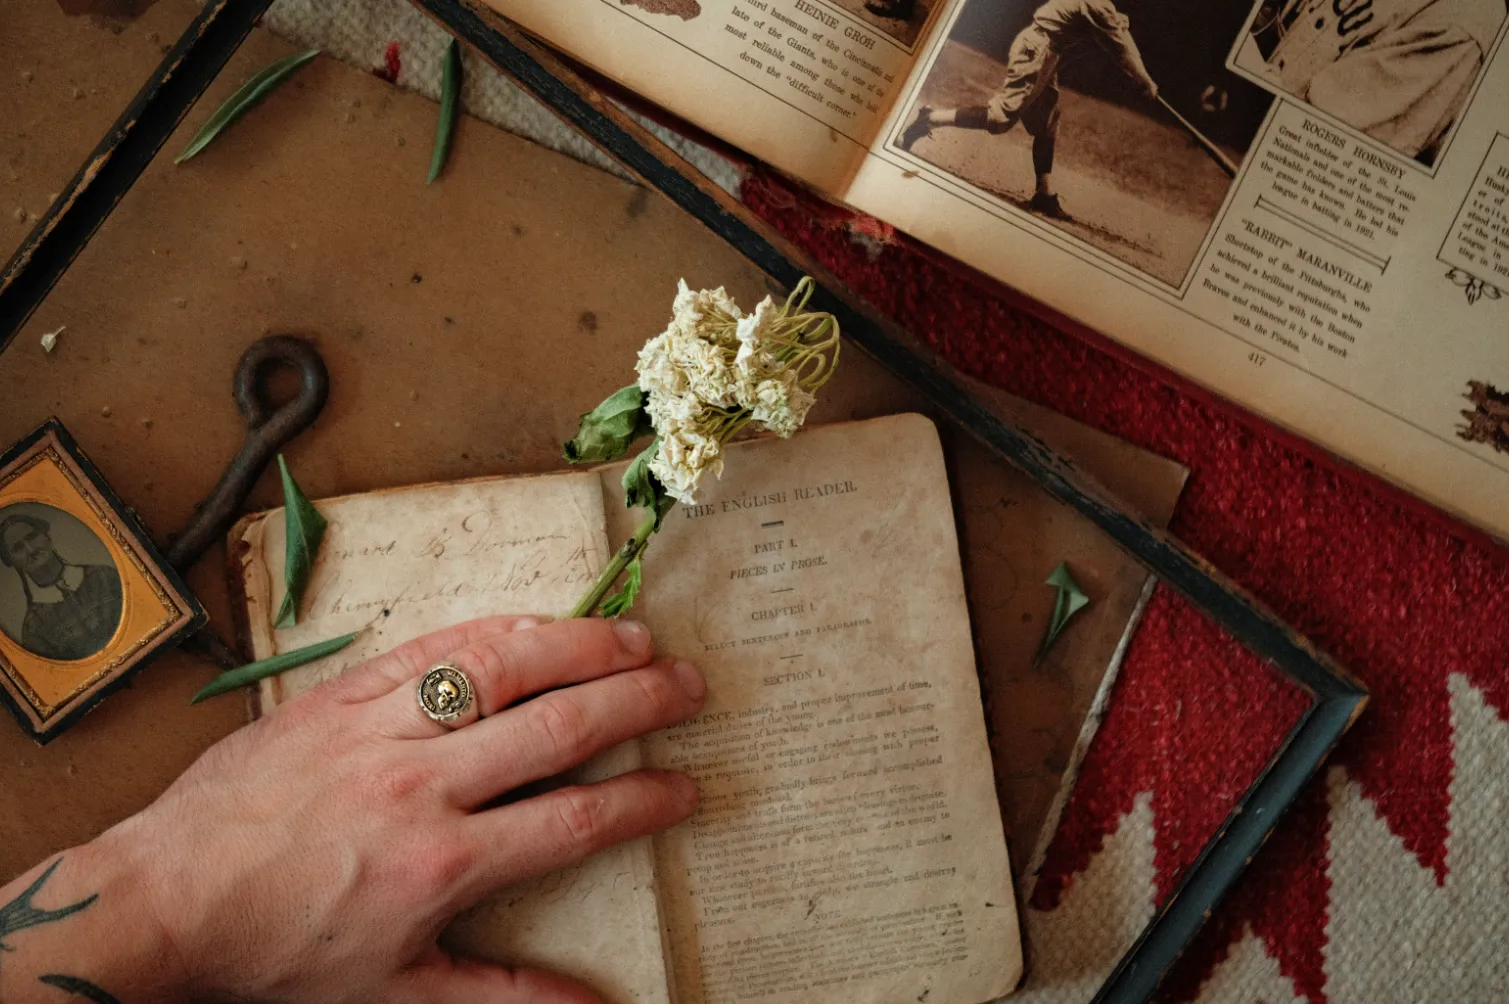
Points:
[(72, 601), (86, 598), (1400, 71)]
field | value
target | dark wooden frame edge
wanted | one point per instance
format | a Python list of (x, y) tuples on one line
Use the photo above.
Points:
[(1336, 698)]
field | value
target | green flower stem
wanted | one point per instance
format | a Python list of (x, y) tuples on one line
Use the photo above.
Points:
[(633, 548)]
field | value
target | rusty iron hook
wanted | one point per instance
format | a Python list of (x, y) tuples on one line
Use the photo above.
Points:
[(267, 430)]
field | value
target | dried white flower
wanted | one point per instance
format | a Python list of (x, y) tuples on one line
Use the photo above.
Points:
[(781, 404), (658, 373), (709, 374), (682, 460), (50, 339), (701, 314), (670, 412), (713, 370), (755, 334)]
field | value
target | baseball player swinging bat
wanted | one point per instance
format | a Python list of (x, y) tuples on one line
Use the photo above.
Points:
[(1030, 92)]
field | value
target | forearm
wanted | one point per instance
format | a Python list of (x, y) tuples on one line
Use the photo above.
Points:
[(1131, 62), (1116, 39), (77, 927)]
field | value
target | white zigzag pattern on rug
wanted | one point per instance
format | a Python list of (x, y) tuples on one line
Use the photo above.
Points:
[(1393, 935)]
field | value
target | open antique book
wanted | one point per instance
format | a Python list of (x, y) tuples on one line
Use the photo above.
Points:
[(848, 845), (1308, 216)]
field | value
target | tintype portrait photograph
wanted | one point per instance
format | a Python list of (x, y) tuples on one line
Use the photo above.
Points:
[(62, 599), (1084, 113), (1399, 71), (85, 598)]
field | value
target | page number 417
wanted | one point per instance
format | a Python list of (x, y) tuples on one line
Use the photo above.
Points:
[(1256, 358)]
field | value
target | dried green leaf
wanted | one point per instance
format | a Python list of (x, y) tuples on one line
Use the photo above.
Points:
[(450, 100), (620, 602), (304, 529), (261, 84), (643, 490), (607, 431), (254, 671), (1070, 600)]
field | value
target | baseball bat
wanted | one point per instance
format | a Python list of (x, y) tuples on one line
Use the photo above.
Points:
[(1205, 144)]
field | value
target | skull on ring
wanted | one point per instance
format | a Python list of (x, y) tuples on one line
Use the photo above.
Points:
[(447, 694)]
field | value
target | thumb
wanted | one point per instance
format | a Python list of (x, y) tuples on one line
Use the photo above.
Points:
[(441, 979)]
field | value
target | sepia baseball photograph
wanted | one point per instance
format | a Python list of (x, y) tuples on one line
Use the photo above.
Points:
[(902, 20), (1398, 71), (1114, 121)]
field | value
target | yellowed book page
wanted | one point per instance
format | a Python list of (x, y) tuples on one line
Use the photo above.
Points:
[(801, 84), (398, 564), (848, 845), (1349, 283)]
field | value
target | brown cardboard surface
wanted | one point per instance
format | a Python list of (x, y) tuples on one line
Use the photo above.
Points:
[(466, 324)]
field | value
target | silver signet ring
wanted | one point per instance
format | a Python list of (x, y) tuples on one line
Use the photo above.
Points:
[(447, 696)]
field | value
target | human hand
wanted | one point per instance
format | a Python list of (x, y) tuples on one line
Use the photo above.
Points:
[(316, 854), (1150, 88)]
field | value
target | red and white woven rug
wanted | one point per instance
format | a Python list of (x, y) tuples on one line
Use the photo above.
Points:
[(1389, 881)]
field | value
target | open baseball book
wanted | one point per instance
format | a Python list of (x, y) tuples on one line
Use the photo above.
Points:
[(1346, 283), (848, 845)]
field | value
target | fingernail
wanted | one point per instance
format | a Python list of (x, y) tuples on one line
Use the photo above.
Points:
[(633, 636), (524, 623), (691, 680)]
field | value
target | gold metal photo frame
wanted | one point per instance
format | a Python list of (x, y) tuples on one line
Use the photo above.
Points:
[(85, 598)]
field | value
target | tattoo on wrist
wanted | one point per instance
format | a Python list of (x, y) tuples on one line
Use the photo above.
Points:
[(21, 913), (79, 988)]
